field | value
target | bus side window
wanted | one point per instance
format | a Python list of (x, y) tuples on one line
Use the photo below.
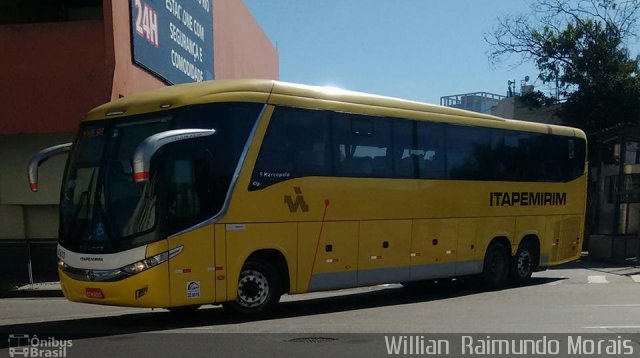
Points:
[(468, 152), (183, 199), (405, 151), (577, 162), (509, 153), (430, 139), (295, 145), (363, 145), (189, 185)]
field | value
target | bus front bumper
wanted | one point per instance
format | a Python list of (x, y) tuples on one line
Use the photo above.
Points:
[(149, 288)]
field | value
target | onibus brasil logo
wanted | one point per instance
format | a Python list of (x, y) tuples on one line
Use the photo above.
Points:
[(24, 345)]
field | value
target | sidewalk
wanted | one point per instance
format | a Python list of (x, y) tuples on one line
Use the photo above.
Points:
[(624, 267), (40, 289)]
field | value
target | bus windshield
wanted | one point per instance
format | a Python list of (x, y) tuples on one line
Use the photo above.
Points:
[(103, 209)]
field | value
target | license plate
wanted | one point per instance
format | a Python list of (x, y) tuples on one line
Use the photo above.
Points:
[(93, 292)]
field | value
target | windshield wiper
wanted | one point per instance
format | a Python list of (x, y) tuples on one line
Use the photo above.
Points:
[(144, 213), (84, 196)]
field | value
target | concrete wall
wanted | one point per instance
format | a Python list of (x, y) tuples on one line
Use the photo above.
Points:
[(241, 48), (24, 214), (56, 72), (608, 246), (128, 78), (511, 108), (52, 73), (28, 221)]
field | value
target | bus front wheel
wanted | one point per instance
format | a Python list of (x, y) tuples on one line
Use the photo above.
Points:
[(496, 266), (259, 288)]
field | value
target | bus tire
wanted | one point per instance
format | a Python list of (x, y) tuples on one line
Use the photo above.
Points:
[(495, 270), (259, 288), (523, 263)]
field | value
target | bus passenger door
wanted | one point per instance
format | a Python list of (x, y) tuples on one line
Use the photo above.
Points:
[(192, 271), (189, 193), (327, 255), (384, 252), (433, 248)]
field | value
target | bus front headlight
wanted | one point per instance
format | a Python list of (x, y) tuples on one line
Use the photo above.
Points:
[(150, 262)]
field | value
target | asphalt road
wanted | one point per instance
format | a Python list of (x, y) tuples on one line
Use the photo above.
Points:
[(580, 298)]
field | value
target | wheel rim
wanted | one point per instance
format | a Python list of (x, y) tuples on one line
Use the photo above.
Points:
[(253, 289), (524, 263)]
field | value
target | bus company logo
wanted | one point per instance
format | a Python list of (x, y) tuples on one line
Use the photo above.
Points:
[(298, 203), (193, 289), (91, 259), (24, 345), (527, 199)]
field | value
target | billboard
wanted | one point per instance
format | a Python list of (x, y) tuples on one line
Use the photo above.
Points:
[(173, 39)]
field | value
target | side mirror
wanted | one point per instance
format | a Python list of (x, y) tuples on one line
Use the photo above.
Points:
[(39, 158), (148, 147)]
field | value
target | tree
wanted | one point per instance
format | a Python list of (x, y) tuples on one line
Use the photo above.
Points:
[(579, 48)]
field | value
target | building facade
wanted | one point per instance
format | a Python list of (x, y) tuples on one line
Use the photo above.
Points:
[(481, 102), (60, 58)]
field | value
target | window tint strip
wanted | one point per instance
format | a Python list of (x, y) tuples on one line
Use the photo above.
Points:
[(303, 142)]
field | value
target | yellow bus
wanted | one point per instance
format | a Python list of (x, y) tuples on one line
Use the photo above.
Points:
[(239, 191)]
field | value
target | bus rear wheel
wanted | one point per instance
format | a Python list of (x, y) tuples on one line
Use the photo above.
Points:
[(523, 264), (259, 288), (496, 266)]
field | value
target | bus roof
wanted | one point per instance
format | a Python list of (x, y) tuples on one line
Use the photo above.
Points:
[(297, 95)]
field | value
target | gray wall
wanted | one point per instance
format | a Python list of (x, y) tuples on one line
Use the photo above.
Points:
[(24, 214), (26, 217), (512, 109)]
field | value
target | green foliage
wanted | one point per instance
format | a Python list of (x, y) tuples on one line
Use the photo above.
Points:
[(579, 48), (536, 99)]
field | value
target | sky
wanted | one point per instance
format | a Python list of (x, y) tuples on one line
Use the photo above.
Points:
[(413, 49)]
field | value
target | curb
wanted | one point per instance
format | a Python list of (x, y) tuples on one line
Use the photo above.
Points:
[(44, 289), (629, 262)]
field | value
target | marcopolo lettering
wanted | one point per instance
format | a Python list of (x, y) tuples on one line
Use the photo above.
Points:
[(524, 198)]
